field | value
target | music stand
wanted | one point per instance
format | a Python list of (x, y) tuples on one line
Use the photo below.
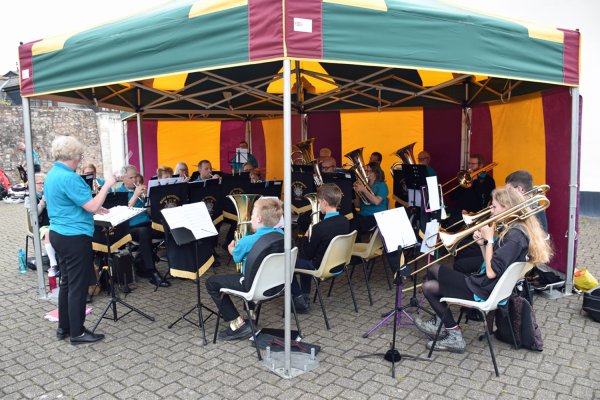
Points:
[(188, 224), (396, 233), (110, 222)]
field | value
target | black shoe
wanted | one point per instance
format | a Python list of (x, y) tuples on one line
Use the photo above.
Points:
[(242, 332), (301, 305), (156, 280), (61, 334), (87, 337)]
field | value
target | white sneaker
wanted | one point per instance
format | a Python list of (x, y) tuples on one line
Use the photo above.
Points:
[(453, 342)]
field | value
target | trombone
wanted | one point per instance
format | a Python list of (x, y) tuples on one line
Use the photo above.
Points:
[(465, 177), (528, 207)]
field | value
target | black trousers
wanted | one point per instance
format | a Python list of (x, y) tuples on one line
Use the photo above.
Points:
[(76, 259), (213, 286), (143, 235)]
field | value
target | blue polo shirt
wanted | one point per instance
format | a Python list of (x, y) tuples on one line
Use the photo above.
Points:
[(331, 214), (380, 189), (142, 218), (66, 192), (241, 250)]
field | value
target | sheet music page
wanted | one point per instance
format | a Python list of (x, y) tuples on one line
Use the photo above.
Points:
[(431, 234), (395, 228), (434, 194), (118, 214), (193, 216), (162, 182), (241, 155), (414, 197)]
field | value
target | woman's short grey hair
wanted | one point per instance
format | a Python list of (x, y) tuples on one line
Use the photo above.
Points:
[(67, 148)]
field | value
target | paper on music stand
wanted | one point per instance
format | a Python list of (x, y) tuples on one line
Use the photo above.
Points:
[(117, 215), (431, 233), (241, 155), (162, 182), (414, 197), (434, 194), (193, 216), (395, 229)]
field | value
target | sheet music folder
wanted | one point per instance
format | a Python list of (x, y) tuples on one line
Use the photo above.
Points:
[(189, 222)]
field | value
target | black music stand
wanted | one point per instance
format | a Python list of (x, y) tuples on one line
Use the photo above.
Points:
[(183, 235), (114, 299)]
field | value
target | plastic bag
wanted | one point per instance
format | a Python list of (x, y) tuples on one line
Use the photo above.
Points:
[(584, 280)]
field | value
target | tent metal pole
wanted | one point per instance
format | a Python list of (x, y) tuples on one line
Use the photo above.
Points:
[(140, 142), (573, 189), (33, 202), (287, 208)]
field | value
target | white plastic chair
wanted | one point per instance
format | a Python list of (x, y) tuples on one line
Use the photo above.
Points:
[(502, 291), (335, 261), (368, 252), (268, 284)]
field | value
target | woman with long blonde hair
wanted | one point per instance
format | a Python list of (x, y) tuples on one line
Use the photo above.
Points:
[(519, 241)]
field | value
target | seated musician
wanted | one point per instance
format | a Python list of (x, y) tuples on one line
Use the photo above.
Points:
[(265, 215), (378, 199), (423, 158), (139, 226), (238, 166), (376, 157), (313, 249), (43, 220), (523, 182), (181, 169), (520, 241), (164, 172), (324, 152), (256, 175), (205, 171), (90, 169)]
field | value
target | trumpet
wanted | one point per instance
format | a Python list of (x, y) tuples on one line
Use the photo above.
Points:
[(358, 166), (528, 207), (142, 195), (465, 177), (96, 187)]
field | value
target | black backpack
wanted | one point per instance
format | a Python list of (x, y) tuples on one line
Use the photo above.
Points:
[(265, 245), (526, 330)]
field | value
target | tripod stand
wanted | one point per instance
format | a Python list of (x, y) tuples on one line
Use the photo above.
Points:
[(114, 299)]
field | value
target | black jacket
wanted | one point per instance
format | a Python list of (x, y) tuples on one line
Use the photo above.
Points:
[(322, 234), (513, 247), (477, 197)]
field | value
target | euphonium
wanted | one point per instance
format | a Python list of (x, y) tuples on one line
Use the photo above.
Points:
[(317, 173), (315, 213), (244, 203), (305, 149), (405, 154), (358, 166)]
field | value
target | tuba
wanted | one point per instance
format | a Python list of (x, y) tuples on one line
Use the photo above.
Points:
[(405, 154), (244, 203), (358, 166), (305, 149)]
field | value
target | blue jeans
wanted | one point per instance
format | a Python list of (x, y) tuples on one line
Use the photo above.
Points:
[(305, 280)]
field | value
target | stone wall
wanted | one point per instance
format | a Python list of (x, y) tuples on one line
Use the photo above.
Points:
[(48, 122)]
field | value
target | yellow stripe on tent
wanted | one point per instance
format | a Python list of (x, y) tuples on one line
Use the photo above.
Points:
[(170, 82), (190, 142), (273, 132), (205, 7), (519, 138), (378, 5), (384, 132), (50, 44)]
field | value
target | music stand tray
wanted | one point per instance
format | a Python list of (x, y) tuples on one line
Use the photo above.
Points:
[(110, 224)]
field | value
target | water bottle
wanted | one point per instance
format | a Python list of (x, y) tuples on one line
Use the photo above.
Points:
[(52, 279), (22, 261)]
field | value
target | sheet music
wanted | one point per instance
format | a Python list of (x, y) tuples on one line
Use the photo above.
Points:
[(193, 216), (241, 155), (395, 229), (118, 214), (431, 233), (414, 197), (162, 182), (434, 195)]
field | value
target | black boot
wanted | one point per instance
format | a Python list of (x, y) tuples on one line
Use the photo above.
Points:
[(156, 280)]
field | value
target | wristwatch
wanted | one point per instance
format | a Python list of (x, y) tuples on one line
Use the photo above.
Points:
[(486, 242)]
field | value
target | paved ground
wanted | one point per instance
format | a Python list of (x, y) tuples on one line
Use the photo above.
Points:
[(143, 359)]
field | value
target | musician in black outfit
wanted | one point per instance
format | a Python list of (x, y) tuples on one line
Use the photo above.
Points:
[(523, 182), (312, 249), (473, 199)]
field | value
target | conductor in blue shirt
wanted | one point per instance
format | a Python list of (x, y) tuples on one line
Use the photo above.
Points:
[(70, 209)]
